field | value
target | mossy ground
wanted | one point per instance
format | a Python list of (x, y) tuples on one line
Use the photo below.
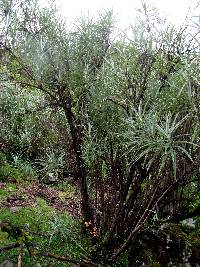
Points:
[(52, 230), (50, 213)]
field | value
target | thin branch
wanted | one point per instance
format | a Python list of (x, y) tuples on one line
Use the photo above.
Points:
[(20, 256), (120, 104), (136, 228), (26, 69), (38, 86), (178, 183), (19, 260), (9, 50), (84, 263), (143, 219), (68, 259), (9, 247), (164, 194)]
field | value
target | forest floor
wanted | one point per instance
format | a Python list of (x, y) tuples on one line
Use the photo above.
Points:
[(52, 215), (18, 195)]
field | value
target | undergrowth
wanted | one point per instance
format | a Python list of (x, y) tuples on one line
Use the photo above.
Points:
[(51, 231)]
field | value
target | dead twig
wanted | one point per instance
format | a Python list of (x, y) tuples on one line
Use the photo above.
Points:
[(82, 263)]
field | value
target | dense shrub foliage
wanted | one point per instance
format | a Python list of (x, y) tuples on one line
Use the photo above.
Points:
[(119, 116)]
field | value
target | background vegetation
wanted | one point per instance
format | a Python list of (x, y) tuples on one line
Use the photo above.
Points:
[(105, 125)]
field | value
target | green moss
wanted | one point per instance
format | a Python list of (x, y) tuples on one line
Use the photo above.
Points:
[(3, 237), (3, 194), (155, 264), (51, 231), (174, 230), (66, 188), (32, 216), (11, 188), (123, 260)]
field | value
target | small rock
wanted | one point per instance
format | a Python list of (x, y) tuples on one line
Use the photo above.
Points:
[(15, 209), (189, 222), (2, 185), (11, 180), (6, 264)]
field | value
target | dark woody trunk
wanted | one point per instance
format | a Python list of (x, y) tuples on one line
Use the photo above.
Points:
[(76, 134)]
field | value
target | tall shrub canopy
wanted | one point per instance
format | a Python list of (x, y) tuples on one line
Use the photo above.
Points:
[(129, 107)]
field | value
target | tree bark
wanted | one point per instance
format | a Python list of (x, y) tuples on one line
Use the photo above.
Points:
[(76, 134)]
